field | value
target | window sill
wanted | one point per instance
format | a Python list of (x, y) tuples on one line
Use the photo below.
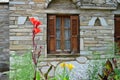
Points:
[(63, 55)]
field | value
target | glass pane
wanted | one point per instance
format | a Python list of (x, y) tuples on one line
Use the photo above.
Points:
[(67, 45), (67, 22), (67, 34), (58, 23), (58, 44), (58, 34)]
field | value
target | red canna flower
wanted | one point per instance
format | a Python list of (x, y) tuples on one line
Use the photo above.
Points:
[(36, 30), (32, 20), (35, 22)]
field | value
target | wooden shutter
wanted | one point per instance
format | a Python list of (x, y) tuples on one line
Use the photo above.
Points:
[(117, 26), (117, 30), (51, 33), (74, 33)]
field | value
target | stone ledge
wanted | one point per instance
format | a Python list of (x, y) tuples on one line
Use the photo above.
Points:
[(95, 7), (57, 59), (63, 55)]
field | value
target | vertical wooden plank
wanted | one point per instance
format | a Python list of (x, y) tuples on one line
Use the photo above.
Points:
[(74, 33), (51, 33)]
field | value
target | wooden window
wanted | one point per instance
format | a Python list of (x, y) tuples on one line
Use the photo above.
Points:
[(62, 34), (117, 30)]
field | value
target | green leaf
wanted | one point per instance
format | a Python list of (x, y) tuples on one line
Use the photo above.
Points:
[(109, 66), (101, 78), (38, 77)]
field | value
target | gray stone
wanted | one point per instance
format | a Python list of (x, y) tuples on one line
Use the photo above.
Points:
[(92, 21), (42, 64), (12, 8), (20, 38), (17, 2), (4, 76), (78, 71), (103, 21), (45, 69), (81, 60), (21, 20), (118, 1), (81, 44), (4, 67), (31, 3), (85, 52), (98, 1), (54, 63)]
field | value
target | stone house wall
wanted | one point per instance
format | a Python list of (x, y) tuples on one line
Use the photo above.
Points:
[(94, 38)]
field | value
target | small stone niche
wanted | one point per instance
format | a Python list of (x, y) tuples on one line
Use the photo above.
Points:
[(97, 22)]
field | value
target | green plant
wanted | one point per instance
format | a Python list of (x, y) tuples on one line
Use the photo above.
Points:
[(117, 48), (25, 66), (63, 72), (93, 69), (110, 71), (21, 67)]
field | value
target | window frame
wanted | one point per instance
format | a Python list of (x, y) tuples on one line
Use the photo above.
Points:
[(78, 35)]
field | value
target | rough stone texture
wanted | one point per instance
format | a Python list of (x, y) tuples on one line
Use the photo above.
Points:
[(4, 40)]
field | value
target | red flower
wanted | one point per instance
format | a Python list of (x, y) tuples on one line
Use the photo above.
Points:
[(36, 30), (35, 22)]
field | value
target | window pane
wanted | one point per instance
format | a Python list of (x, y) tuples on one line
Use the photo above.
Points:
[(58, 34), (58, 44), (67, 45), (67, 22), (58, 23), (67, 34)]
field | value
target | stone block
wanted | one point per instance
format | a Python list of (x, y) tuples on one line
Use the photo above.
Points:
[(103, 21), (81, 44), (42, 64), (20, 37), (81, 60), (20, 47), (21, 20), (21, 30), (4, 76), (16, 2), (98, 48), (11, 18), (92, 21), (12, 8), (54, 63), (31, 2), (39, 0), (90, 45), (79, 70), (85, 53)]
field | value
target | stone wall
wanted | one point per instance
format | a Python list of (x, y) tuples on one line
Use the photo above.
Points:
[(96, 28), (21, 28), (4, 39), (96, 36)]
